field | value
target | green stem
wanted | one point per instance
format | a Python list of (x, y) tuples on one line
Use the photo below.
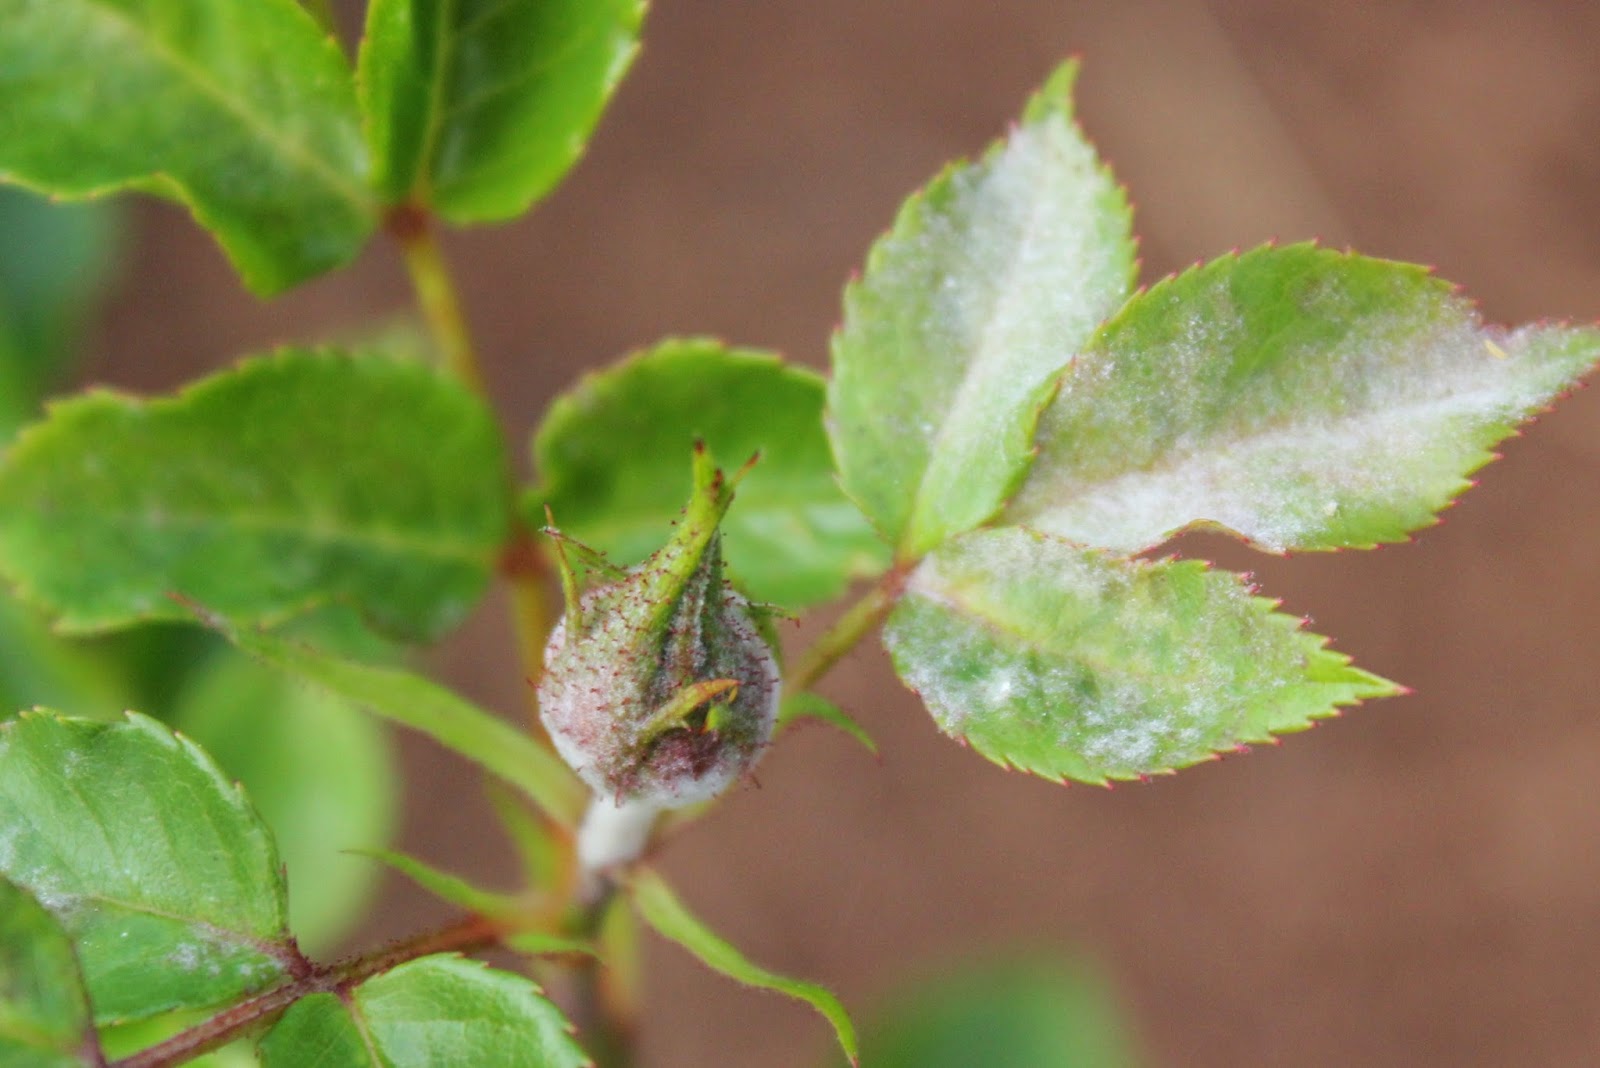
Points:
[(412, 227), (861, 619)]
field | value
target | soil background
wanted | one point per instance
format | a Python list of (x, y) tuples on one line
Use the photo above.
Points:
[(1417, 883)]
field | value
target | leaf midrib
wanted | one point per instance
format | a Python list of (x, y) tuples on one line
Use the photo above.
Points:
[(252, 120)]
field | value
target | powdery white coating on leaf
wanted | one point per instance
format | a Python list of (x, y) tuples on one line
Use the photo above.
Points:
[(990, 281), (1303, 398), (1070, 663)]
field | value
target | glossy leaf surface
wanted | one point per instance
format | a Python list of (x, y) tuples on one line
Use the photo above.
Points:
[(288, 481), (476, 108), (433, 1011), (661, 909), (613, 454), (246, 113), (991, 279), (44, 1013), (1303, 398), (157, 866), (1069, 663)]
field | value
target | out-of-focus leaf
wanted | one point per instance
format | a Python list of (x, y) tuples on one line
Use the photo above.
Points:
[(319, 770), (246, 113), (288, 481), (991, 279), (814, 706), (613, 457), (476, 108), (44, 1013), (157, 866), (1068, 662)]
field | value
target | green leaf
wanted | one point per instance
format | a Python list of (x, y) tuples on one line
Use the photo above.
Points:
[(992, 277), (290, 480), (157, 866), (244, 112), (433, 1011), (41, 668), (809, 705), (1020, 1014), (418, 703), (1067, 662), (448, 887), (476, 108), (1300, 397), (661, 909), (55, 263), (319, 770), (44, 1013), (613, 457), (124, 1040)]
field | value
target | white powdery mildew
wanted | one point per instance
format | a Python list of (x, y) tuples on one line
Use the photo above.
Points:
[(1056, 660), (1416, 405)]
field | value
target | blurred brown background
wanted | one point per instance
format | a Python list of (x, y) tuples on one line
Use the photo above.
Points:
[(1415, 884)]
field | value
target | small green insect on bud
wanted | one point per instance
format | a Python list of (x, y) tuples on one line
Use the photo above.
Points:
[(660, 684)]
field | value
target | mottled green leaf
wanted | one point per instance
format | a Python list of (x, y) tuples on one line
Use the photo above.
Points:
[(991, 279), (1067, 662), (244, 112), (1303, 398), (156, 865), (44, 1012), (613, 455), (434, 1011), (423, 705), (54, 262), (319, 770), (661, 909), (288, 481), (1023, 1014), (476, 108)]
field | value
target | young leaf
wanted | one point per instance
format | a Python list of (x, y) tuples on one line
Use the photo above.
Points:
[(661, 909), (1067, 662), (156, 865), (416, 702), (447, 887), (992, 277), (809, 705), (244, 112), (1016, 1014), (476, 108), (433, 1011), (287, 481), (1303, 398), (44, 1013), (318, 769), (612, 456)]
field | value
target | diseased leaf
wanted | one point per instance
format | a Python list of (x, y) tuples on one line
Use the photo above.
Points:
[(1070, 663), (156, 865), (288, 481), (1014, 1014), (1303, 398), (613, 457), (319, 770), (433, 1011), (244, 112), (423, 705), (991, 279), (44, 1013), (476, 108), (661, 909)]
